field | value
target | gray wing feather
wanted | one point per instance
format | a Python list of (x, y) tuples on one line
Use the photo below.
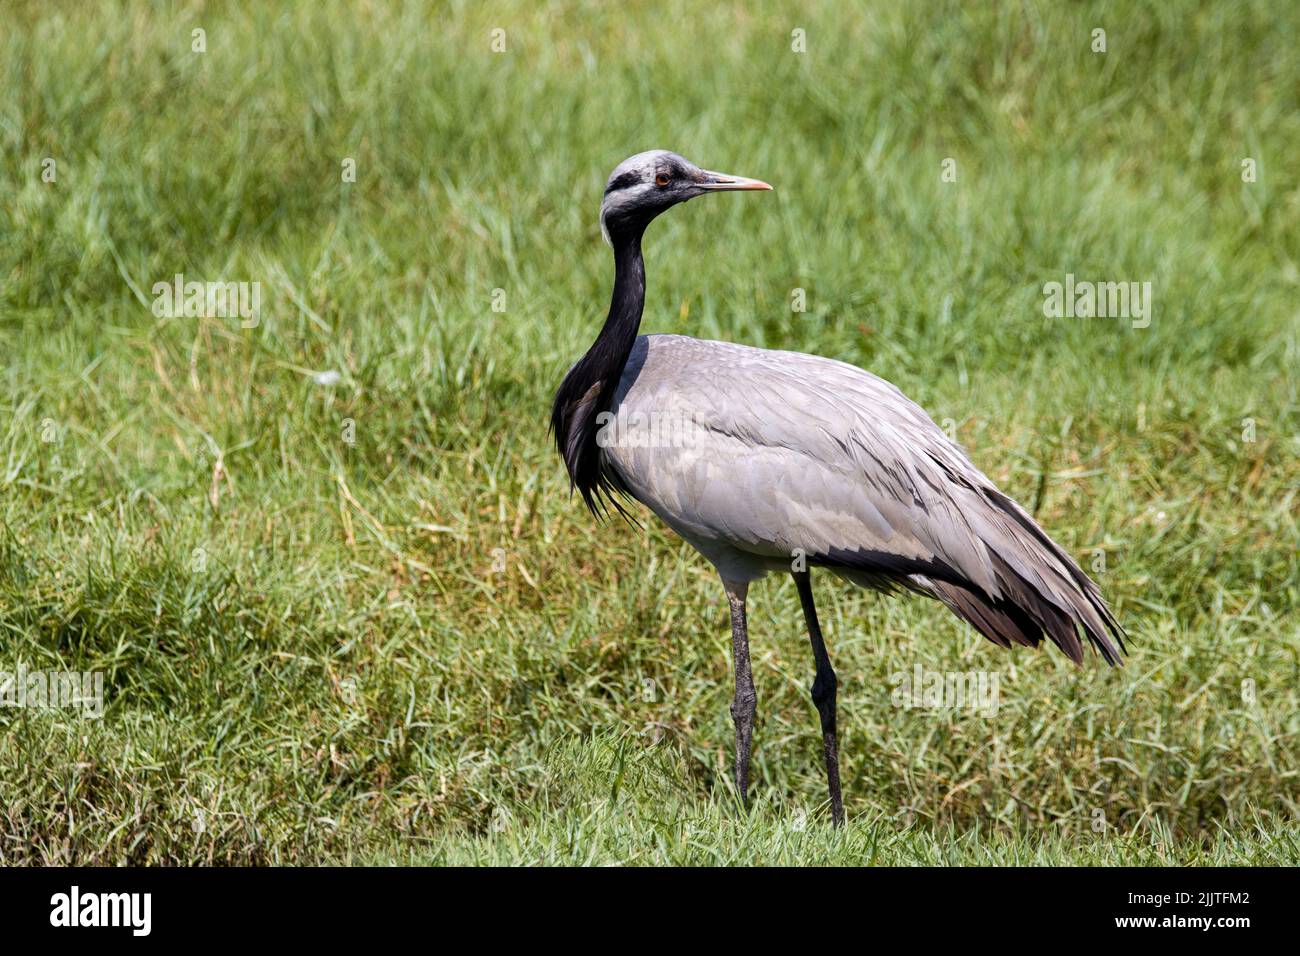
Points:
[(771, 452)]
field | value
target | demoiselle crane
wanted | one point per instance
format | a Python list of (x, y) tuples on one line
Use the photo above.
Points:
[(780, 461)]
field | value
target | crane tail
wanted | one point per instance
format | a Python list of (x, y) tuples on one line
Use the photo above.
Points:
[(1071, 606), (1023, 614), (1023, 617), (1038, 590), (1004, 626)]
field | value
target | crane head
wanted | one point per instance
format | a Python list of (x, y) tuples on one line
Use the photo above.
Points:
[(644, 185)]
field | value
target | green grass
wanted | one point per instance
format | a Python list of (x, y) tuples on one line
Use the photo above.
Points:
[(615, 801), (308, 654)]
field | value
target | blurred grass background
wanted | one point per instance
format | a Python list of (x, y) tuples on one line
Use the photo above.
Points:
[(309, 654)]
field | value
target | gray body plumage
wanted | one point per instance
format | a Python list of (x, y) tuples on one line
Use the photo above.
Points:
[(757, 457)]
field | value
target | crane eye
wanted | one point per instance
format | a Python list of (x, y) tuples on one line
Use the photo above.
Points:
[(661, 180)]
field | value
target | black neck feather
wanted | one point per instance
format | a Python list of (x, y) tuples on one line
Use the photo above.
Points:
[(589, 387)]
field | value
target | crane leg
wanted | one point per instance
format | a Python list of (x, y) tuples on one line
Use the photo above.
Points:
[(744, 703), (823, 694)]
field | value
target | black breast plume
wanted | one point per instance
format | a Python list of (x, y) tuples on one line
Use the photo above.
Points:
[(588, 389)]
